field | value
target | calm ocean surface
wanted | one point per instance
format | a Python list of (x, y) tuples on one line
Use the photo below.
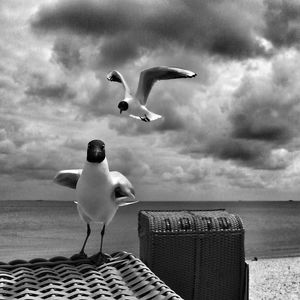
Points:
[(32, 229)]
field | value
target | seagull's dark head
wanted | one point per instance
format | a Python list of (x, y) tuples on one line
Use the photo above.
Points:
[(95, 151), (123, 105)]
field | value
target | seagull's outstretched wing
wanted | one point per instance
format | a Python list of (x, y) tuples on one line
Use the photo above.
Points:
[(149, 76), (68, 178), (117, 77), (123, 190)]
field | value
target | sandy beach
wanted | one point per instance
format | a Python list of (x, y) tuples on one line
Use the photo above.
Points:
[(277, 278)]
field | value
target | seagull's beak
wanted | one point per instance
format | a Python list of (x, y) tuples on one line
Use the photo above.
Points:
[(121, 110)]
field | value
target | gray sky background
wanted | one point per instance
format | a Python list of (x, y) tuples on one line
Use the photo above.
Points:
[(231, 133)]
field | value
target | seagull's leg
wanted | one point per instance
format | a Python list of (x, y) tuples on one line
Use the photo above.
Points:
[(88, 232), (82, 254), (145, 118), (100, 257), (102, 235)]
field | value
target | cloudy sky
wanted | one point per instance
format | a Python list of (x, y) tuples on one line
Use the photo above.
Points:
[(231, 133)]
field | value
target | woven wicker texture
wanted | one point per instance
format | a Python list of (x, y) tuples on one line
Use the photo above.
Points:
[(199, 254), (126, 277)]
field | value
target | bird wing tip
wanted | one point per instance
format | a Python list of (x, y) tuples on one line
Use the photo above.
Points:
[(114, 76), (108, 76), (192, 74)]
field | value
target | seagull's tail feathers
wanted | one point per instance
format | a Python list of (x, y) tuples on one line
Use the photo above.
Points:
[(152, 116)]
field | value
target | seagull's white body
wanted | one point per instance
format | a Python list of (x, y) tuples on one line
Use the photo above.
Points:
[(136, 107), (95, 193), (138, 111), (96, 186)]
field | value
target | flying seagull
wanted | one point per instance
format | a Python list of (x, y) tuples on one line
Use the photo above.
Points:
[(135, 105), (99, 193)]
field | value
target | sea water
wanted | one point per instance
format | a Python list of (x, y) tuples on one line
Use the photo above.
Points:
[(30, 229)]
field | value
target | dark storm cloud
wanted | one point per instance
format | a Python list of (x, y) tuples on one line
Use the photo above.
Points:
[(283, 22), (38, 157), (234, 149), (118, 50), (66, 52), (40, 87), (88, 17), (49, 91), (172, 119), (24, 165), (126, 30), (30, 154), (249, 153), (98, 104), (37, 167), (264, 118), (240, 151), (260, 125), (266, 111)]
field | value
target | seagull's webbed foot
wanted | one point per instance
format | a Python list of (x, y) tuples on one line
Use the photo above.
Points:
[(145, 118), (100, 258), (78, 256)]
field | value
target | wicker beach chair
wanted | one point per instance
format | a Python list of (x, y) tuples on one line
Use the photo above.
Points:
[(125, 278), (199, 254)]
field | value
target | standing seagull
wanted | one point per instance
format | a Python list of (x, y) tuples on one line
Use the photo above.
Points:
[(136, 105), (99, 192)]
